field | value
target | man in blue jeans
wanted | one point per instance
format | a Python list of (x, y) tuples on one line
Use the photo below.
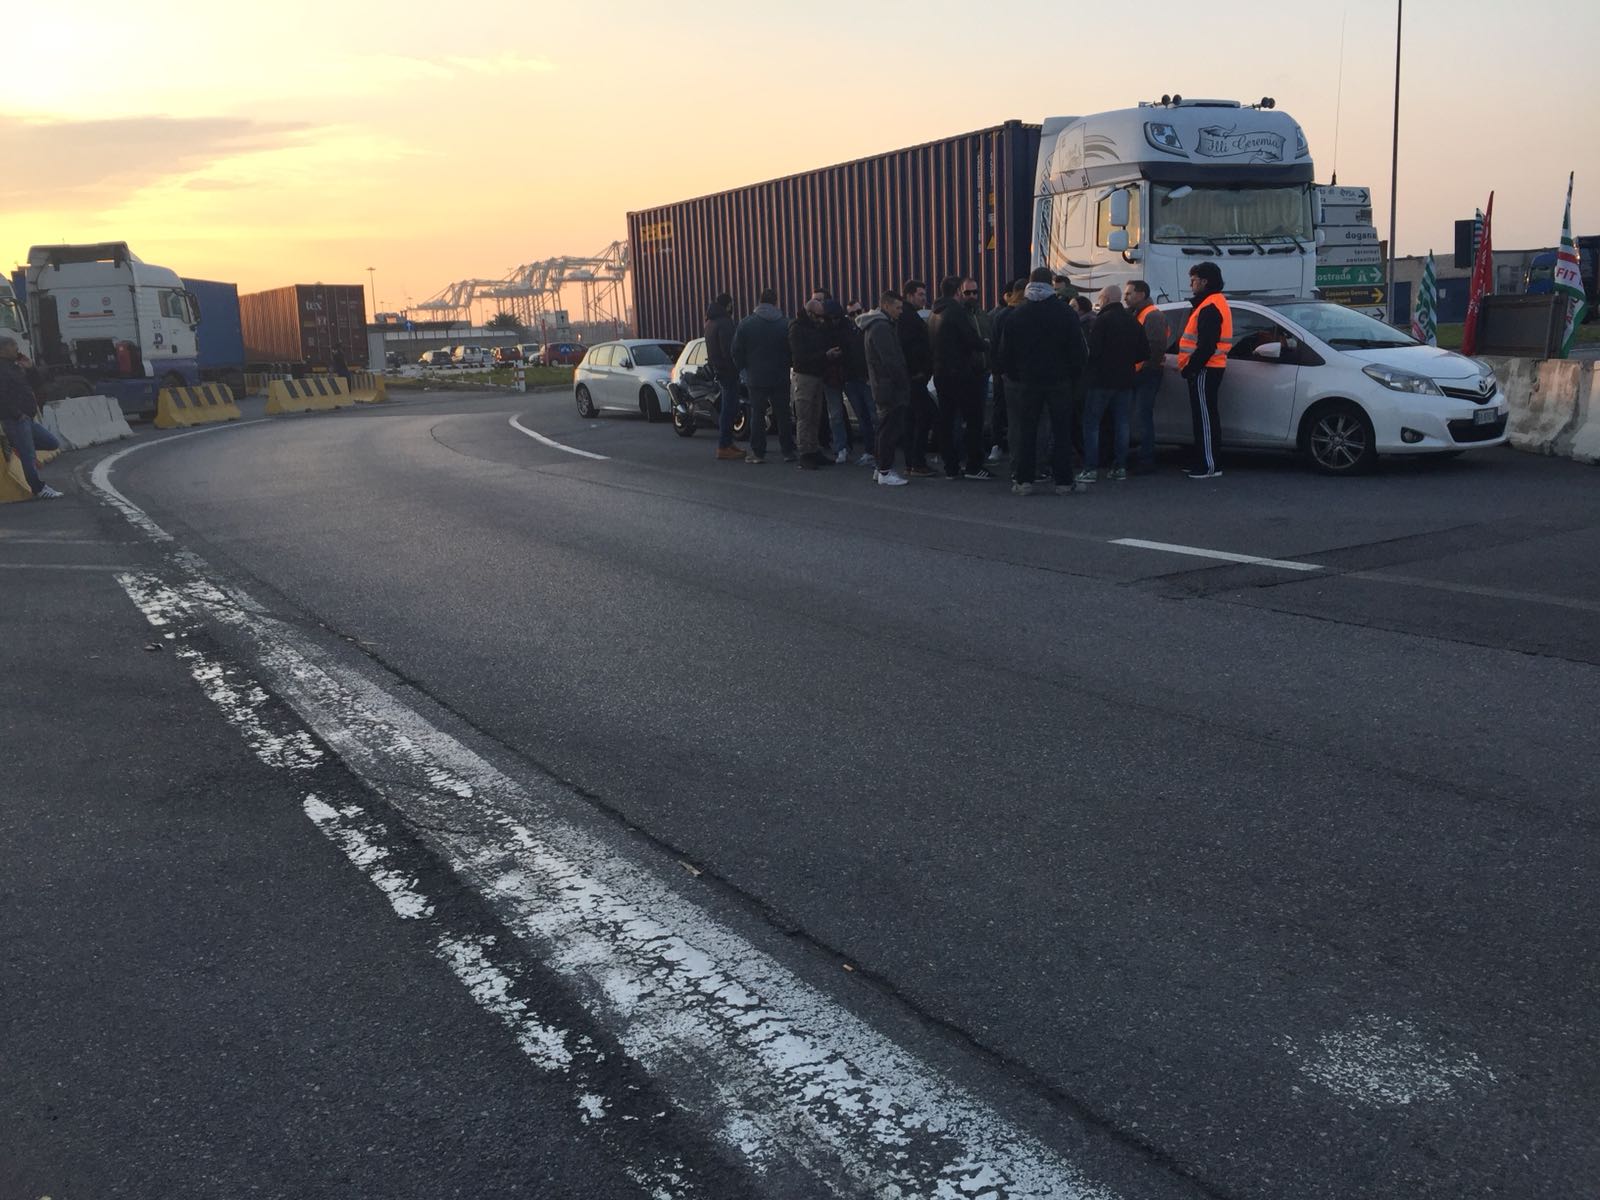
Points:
[(17, 408), (719, 332), (1116, 346), (1147, 380)]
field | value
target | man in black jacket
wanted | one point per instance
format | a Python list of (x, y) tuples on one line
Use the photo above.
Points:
[(917, 346), (1000, 420), (958, 367), (719, 355), (1116, 347), (25, 436), (761, 353), (1041, 347), (813, 348)]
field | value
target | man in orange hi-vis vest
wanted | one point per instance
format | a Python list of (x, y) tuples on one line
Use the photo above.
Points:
[(1202, 359)]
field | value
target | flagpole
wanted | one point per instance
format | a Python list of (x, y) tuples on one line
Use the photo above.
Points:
[(1394, 161)]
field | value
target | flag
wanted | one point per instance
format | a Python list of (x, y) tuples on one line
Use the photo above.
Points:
[(1569, 279), (1424, 320), (1482, 281)]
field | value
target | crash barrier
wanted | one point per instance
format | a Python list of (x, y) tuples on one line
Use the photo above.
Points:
[(1553, 405), (367, 388), (13, 483), (80, 421), (318, 394), (204, 405)]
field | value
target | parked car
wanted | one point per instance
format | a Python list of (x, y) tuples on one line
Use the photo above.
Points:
[(435, 358), (472, 356), (562, 354), (628, 375), (392, 359), (529, 351), (507, 356), (1337, 386)]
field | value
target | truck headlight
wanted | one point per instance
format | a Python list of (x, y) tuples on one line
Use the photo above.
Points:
[(1402, 381)]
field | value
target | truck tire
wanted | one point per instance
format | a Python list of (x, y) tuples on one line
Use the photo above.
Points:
[(63, 386)]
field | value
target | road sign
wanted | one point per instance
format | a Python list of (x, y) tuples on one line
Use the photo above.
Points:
[(1367, 276), (1354, 297)]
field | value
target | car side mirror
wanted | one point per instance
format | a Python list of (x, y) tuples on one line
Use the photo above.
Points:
[(1118, 241), (1270, 351), (626, 364)]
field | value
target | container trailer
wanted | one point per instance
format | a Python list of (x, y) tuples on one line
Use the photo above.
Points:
[(301, 325), (220, 334)]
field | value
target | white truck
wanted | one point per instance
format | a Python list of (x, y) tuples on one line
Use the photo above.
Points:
[(13, 324), (1148, 192), (102, 321)]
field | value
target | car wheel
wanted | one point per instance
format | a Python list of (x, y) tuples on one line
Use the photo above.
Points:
[(649, 405), (1338, 439), (585, 401)]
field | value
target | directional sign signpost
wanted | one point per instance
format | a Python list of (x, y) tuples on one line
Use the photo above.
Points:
[(1356, 297), (1348, 277)]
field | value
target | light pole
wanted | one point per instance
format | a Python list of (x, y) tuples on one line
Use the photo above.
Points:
[(372, 279), (1394, 161)]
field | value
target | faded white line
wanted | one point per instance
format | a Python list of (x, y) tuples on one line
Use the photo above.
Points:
[(1281, 564), (517, 424), (63, 566), (100, 477)]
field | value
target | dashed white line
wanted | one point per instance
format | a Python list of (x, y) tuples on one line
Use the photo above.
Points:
[(553, 444), (1282, 564)]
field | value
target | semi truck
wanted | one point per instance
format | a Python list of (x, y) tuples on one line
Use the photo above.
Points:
[(1540, 277), (1138, 193), (99, 320)]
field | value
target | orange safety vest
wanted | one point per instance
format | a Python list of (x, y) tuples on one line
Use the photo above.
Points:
[(1142, 314), (1190, 340)]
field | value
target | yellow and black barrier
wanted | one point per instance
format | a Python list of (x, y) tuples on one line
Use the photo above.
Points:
[(367, 387), (13, 483), (320, 393), (204, 405)]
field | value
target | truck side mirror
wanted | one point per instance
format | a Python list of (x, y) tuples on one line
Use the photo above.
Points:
[(1119, 210), (1118, 241)]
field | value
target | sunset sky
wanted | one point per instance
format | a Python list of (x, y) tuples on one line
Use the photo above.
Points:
[(302, 142)]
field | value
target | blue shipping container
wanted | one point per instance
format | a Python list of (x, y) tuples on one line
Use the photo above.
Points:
[(220, 337), (964, 204)]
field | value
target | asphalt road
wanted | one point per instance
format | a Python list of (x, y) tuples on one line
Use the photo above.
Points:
[(1282, 880)]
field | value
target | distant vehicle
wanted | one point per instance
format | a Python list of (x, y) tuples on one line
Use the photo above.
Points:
[(305, 323), (392, 359), (435, 358), (1540, 277), (472, 356), (529, 351), (630, 376), (507, 356), (1339, 387), (561, 354)]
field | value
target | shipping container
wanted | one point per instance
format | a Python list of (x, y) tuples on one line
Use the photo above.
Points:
[(964, 204), (303, 323), (220, 335)]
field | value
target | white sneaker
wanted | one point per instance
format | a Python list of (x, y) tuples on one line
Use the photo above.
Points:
[(994, 454), (49, 493), (890, 478), (842, 457), (866, 460)]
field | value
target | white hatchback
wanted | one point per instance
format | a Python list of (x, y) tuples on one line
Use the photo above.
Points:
[(629, 375), (1337, 386)]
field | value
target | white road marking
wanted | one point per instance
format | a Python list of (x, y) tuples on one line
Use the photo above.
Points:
[(517, 424), (1386, 1063), (63, 566), (1282, 564), (790, 1081)]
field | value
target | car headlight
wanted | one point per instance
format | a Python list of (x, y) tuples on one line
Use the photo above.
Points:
[(1402, 381)]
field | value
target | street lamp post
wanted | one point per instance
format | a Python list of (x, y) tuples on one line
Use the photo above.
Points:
[(1394, 160), (372, 280)]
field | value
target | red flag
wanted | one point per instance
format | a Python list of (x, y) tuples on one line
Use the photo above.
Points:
[(1482, 283)]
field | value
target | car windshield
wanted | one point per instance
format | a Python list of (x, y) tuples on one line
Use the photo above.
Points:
[(656, 354), (1209, 215), (1344, 328)]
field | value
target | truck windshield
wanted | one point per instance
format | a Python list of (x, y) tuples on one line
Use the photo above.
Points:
[(10, 315), (1212, 214)]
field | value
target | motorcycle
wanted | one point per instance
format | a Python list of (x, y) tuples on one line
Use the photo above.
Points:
[(697, 397)]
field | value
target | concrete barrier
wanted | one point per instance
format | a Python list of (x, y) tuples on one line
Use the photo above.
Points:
[(1584, 443), (1551, 405), (81, 421), (180, 408), (320, 393), (367, 388)]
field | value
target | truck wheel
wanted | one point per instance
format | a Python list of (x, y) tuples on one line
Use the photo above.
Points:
[(173, 380), (67, 385)]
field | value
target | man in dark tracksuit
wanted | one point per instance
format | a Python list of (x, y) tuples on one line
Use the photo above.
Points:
[(958, 358), (719, 354), (917, 346), (1202, 358)]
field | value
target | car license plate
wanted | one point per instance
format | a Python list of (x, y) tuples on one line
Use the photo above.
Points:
[(1485, 416)]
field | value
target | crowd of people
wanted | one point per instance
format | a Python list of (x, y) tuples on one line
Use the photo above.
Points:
[(1062, 385)]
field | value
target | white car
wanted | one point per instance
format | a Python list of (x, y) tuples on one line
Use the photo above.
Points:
[(473, 356), (630, 376), (1337, 386)]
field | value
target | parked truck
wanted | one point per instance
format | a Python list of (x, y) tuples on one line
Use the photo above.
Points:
[(300, 326), (99, 320), (1540, 277), (220, 334), (1143, 192)]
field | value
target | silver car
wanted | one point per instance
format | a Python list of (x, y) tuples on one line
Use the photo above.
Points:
[(626, 376)]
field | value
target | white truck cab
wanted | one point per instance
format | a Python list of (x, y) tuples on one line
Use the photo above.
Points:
[(13, 322), (1148, 192), (103, 320)]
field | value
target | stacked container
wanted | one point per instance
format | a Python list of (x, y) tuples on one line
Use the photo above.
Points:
[(303, 324)]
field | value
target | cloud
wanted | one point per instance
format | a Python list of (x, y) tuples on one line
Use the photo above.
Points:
[(102, 161)]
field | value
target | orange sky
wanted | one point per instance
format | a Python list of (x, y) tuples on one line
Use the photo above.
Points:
[(304, 142)]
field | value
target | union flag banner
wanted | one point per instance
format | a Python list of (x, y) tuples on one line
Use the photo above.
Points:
[(1482, 282)]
